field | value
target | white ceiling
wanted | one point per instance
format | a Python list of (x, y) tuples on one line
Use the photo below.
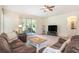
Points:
[(36, 9)]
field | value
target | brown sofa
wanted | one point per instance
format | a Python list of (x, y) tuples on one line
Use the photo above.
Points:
[(73, 46), (15, 46)]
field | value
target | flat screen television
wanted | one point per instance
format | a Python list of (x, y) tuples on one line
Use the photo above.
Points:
[(52, 28)]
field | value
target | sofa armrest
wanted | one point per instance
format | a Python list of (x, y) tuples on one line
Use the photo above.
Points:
[(64, 44)]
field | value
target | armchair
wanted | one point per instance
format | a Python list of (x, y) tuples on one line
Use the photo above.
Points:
[(57, 47)]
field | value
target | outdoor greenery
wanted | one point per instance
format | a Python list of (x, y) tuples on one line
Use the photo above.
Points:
[(29, 25)]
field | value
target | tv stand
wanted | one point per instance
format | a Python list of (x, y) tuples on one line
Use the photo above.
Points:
[(53, 33)]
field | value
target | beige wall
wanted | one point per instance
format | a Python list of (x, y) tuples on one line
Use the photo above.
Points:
[(61, 21)]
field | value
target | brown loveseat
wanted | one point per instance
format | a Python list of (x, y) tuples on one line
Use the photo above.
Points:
[(15, 46)]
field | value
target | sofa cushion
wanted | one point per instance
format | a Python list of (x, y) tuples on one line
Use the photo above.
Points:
[(57, 45), (12, 35), (4, 35), (75, 37), (4, 46), (25, 49), (61, 40), (16, 43)]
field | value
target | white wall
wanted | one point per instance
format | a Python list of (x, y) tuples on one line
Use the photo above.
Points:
[(0, 20), (40, 23), (61, 21), (12, 21)]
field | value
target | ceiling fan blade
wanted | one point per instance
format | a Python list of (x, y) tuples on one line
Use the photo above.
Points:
[(51, 9), (45, 5), (52, 6)]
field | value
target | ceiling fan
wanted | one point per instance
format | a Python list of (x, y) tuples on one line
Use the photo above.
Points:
[(47, 8)]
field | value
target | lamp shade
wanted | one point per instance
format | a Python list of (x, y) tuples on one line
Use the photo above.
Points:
[(20, 25)]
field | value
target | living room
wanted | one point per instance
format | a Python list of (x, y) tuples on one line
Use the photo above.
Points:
[(36, 21)]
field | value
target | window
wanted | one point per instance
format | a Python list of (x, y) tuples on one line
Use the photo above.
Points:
[(29, 25)]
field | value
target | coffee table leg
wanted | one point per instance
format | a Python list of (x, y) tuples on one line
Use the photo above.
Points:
[(37, 46)]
